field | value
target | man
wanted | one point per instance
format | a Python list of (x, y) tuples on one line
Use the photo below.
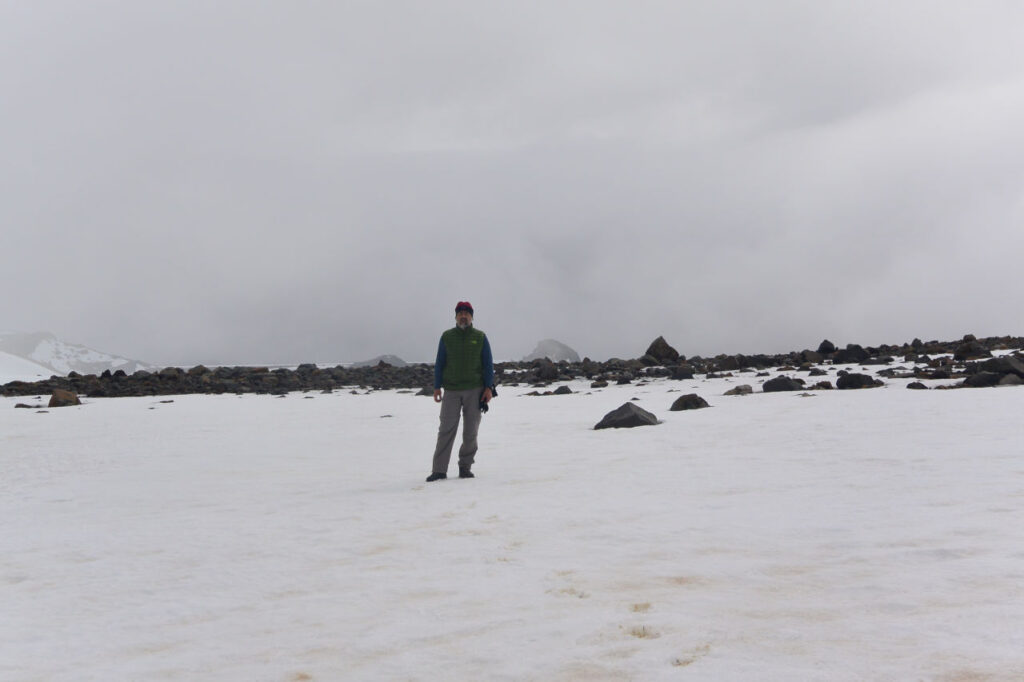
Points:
[(465, 371)]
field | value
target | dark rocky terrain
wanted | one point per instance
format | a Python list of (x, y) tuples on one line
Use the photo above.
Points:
[(969, 361)]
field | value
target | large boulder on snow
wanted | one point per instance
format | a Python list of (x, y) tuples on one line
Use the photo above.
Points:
[(782, 383), (1006, 364), (848, 380), (662, 352), (556, 351), (970, 349), (851, 354), (690, 401), (62, 398), (627, 416)]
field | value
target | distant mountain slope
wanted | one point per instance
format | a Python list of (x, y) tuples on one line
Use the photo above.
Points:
[(59, 357), (392, 360), (13, 368), (553, 350)]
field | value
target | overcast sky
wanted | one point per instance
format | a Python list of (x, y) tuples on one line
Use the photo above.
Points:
[(281, 182)]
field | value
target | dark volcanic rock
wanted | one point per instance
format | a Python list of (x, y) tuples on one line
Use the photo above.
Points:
[(917, 385), (982, 379), (847, 380), (782, 383), (546, 370), (742, 389), (971, 349), (826, 347), (851, 354), (680, 372), (1006, 364), (690, 401), (662, 352), (627, 416)]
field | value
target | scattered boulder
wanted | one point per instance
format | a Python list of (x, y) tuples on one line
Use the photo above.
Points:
[(742, 389), (1010, 380), (826, 347), (62, 398), (600, 383), (782, 383), (662, 352), (849, 355), (562, 390), (811, 356), (690, 401), (849, 380), (681, 372), (982, 380), (1006, 364), (823, 386), (546, 370), (917, 386), (627, 416), (970, 349)]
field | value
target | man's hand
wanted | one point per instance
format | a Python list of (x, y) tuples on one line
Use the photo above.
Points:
[(486, 397), (437, 395)]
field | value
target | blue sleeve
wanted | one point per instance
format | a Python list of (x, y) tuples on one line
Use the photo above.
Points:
[(488, 361), (442, 360)]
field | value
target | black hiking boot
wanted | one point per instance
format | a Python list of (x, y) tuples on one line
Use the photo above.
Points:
[(464, 472), (436, 476)]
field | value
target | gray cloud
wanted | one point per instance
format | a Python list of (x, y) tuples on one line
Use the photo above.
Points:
[(283, 182)]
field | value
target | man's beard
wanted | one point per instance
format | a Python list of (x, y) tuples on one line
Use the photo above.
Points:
[(463, 325)]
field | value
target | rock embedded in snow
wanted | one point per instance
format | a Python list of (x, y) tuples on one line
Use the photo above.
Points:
[(62, 398), (742, 389), (690, 401), (982, 380), (553, 350), (627, 416), (782, 383), (847, 381)]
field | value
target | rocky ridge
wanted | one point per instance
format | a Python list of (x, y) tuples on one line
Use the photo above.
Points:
[(969, 360)]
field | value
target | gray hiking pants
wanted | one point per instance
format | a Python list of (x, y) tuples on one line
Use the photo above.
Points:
[(452, 403)]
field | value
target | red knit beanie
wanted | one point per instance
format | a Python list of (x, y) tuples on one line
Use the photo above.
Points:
[(464, 305)]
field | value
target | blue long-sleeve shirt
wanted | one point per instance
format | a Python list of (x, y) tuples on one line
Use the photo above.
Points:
[(485, 357)]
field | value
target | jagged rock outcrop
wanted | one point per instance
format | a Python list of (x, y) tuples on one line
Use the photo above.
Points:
[(661, 352)]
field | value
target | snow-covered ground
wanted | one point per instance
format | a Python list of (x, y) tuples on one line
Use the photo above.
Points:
[(851, 535)]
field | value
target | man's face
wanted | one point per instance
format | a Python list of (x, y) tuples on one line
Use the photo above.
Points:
[(463, 319)]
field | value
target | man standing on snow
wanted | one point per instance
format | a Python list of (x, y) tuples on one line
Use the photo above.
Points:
[(465, 370)]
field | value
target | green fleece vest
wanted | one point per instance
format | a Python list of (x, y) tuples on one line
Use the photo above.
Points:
[(464, 367)]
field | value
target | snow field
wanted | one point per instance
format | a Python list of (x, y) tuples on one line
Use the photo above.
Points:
[(850, 535)]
